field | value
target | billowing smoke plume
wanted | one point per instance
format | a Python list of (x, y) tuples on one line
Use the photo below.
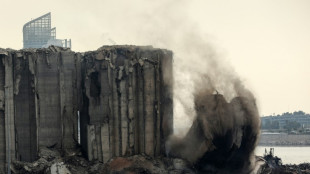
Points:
[(223, 136), (213, 110), (226, 123), (223, 127)]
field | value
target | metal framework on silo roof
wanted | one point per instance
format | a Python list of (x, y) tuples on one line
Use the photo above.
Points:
[(37, 32)]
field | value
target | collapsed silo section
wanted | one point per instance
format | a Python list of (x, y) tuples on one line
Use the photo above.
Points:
[(127, 101)]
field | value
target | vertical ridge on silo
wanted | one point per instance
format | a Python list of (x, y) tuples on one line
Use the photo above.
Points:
[(141, 106), (110, 108), (9, 108), (116, 119), (157, 106), (149, 99), (2, 115), (123, 90), (48, 92), (105, 95), (25, 118), (131, 106)]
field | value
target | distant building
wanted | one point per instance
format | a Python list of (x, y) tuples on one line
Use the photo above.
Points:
[(38, 33), (283, 120)]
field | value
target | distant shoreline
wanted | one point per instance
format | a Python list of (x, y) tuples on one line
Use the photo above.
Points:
[(284, 140), (273, 145)]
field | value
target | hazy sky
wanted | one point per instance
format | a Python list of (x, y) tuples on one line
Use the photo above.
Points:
[(267, 42)]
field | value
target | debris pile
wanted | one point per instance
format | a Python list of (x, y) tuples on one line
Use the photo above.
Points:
[(53, 161), (273, 165), (145, 164), (286, 169)]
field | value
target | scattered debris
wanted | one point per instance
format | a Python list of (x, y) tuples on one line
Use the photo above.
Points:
[(53, 161), (272, 161), (273, 165)]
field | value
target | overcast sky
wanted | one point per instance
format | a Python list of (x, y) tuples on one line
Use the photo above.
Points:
[(267, 42)]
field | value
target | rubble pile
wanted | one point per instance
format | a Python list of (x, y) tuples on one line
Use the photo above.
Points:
[(148, 165), (53, 161), (273, 165), (286, 169)]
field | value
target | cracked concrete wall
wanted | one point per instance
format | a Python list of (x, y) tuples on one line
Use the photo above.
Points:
[(127, 101), (123, 93), (57, 92), (9, 107), (25, 115), (48, 97), (7, 120), (40, 89)]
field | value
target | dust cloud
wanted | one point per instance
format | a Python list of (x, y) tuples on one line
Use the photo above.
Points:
[(216, 120)]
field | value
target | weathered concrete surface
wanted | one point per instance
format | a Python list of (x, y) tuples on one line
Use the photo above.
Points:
[(2, 115), (7, 125), (25, 113), (122, 92), (40, 89), (57, 90), (9, 108)]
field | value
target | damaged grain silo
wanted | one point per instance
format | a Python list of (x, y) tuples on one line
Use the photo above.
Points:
[(127, 101), (123, 95), (40, 94)]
